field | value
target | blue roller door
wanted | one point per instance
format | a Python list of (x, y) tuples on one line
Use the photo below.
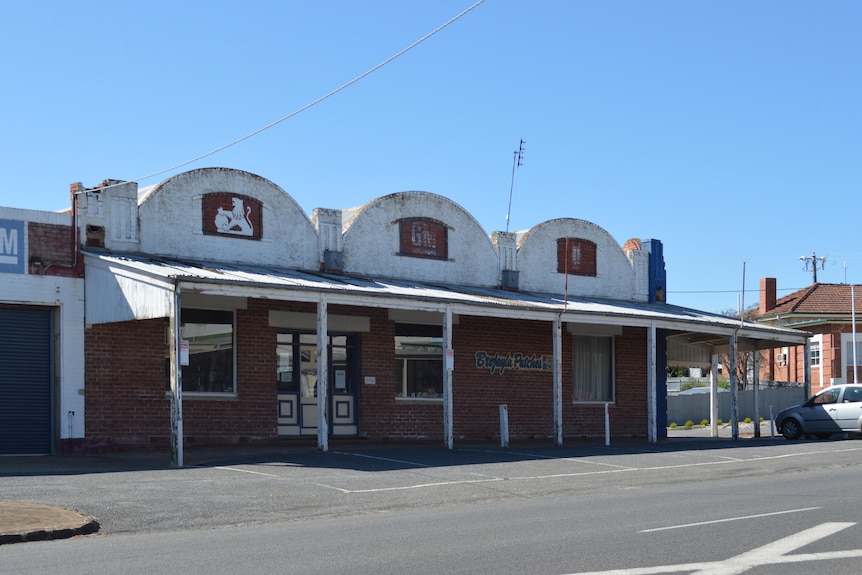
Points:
[(26, 374)]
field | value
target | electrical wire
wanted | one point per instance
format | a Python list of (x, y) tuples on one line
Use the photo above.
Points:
[(313, 103)]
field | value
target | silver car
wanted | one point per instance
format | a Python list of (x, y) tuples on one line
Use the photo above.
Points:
[(837, 409)]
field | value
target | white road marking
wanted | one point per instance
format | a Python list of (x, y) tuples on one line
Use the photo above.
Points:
[(413, 463), (770, 554), (701, 523), (249, 471)]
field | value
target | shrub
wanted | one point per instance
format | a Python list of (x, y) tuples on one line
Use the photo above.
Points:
[(672, 425), (719, 422), (746, 420), (689, 424), (704, 422)]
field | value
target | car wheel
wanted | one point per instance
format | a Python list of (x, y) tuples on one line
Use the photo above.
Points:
[(791, 429), (823, 435)]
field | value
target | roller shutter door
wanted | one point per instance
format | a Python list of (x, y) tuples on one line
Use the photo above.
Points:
[(26, 374)]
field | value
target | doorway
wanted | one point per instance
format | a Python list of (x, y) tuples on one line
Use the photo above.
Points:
[(298, 384)]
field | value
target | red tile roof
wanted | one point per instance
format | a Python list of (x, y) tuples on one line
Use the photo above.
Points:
[(819, 298)]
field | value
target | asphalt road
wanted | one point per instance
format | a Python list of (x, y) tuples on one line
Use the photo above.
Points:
[(751, 506)]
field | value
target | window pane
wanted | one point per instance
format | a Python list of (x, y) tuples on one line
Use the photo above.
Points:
[(592, 369), (284, 350)]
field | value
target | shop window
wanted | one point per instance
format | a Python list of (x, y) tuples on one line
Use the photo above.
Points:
[(576, 256), (210, 334), (592, 369), (423, 238), (418, 362)]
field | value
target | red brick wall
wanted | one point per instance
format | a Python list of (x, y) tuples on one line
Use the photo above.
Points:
[(126, 403), (52, 250)]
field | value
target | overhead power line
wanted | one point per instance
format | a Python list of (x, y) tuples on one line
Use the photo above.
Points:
[(315, 102)]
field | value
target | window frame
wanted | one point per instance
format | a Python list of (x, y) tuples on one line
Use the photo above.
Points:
[(436, 232), (418, 334), (577, 256), (196, 316)]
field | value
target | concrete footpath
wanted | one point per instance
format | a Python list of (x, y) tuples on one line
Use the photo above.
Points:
[(28, 521)]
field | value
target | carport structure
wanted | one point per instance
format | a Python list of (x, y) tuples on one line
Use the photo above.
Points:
[(124, 288)]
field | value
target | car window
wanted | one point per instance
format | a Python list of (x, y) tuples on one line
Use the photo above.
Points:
[(828, 396), (852, 394)]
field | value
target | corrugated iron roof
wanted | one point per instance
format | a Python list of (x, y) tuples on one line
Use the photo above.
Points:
[(256, 276)]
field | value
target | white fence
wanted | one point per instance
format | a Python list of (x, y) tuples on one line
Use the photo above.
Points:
[(695, 408)]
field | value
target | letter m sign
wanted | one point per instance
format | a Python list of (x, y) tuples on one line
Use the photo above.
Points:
[(11, 247)]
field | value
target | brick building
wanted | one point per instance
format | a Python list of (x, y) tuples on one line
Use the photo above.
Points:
[(216, 310), (824, 310)]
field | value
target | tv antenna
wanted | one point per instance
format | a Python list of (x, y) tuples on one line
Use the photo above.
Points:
[(813, 261), (517, 162)]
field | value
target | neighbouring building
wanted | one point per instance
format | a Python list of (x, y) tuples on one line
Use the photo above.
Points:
[(824, 310), (216, 310)]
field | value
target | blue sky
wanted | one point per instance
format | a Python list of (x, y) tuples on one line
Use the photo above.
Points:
[(730, 130)]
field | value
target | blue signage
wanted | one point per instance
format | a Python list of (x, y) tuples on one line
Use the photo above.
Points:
[(11, 247)]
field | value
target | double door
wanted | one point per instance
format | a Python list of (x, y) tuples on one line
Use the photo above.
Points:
[(299, 381)]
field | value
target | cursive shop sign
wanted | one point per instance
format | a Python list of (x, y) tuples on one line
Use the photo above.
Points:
[(497, 363)]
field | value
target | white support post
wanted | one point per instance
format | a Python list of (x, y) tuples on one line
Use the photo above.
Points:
[(734, 394), (447, 378), (756, 393), (175, 328), (608, 426), (504, 425), (713, 397), (652, 424), (806, 369), (322, 374), (558, 381)]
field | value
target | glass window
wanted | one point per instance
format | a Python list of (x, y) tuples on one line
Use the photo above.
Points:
[(297, 363), (419, 362), (814, 350), (828, 396), (211, 361), (848, 347), (592, 369)]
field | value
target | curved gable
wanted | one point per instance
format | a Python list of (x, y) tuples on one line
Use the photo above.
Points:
[(596, 265), (419, 236), (223, 214)]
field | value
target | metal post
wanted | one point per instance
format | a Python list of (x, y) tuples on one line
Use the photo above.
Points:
[(734, 394), (608, 426)]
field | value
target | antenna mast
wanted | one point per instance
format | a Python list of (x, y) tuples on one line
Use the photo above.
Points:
[(813, 261), (517, 162)]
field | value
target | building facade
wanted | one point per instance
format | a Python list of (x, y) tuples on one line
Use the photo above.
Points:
[(827, 312), (216, 310)]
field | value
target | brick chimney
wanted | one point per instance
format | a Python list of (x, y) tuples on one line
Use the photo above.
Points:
[(767, 295)]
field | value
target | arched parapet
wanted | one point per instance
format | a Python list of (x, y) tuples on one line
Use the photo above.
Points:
[(418, 236), (224, 214), (575, 256)]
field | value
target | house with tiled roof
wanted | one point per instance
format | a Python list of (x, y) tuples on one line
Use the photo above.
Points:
[(825, 311)]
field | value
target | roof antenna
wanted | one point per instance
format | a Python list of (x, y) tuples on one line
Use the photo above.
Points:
[(517, 162), (813, 260)]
